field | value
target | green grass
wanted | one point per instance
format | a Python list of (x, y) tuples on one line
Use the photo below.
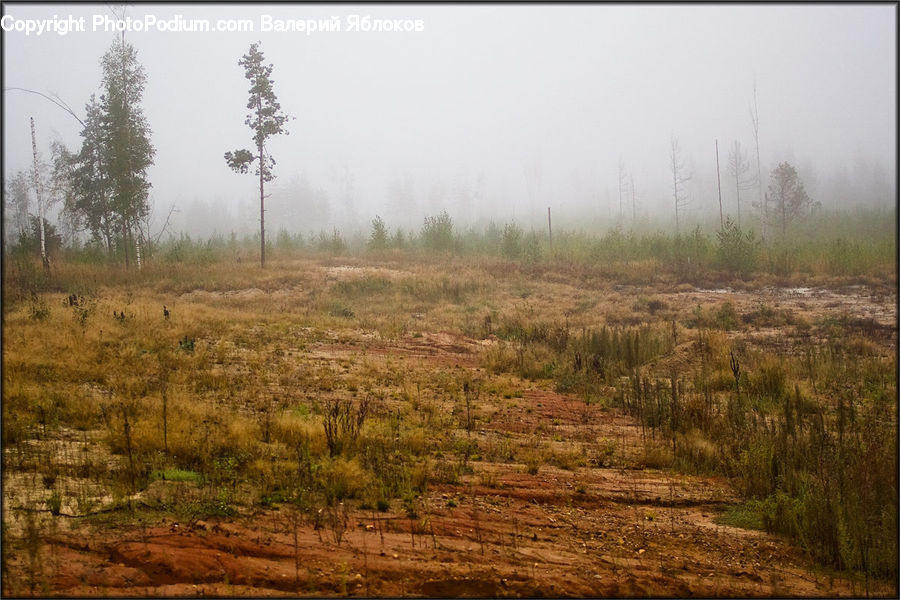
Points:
[(746, 515), (176, 475)]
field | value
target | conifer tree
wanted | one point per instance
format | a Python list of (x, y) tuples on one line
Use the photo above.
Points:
[(265, 120)]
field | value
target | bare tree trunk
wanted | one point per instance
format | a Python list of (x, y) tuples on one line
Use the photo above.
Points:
[(719, 183), (262, 211), (39, 192)]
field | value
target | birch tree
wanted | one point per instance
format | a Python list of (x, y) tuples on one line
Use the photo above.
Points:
[(125, 133), (39, 193)]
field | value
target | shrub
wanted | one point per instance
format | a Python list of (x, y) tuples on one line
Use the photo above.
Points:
[(341, 479), (532, 248), (512, 241), (737, 252), (727, 317), (378, 240), (437, 233), (690, 254)]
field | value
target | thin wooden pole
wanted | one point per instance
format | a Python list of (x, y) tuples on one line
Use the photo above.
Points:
[(549, 226)]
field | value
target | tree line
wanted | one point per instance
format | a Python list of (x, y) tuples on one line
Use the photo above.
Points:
[(104, 186)]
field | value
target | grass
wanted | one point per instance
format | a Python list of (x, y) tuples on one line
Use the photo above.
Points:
[(176, 475), (251, 390), (747, 515)]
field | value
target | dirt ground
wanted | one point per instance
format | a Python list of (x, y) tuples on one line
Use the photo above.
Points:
[(500, 531), (597, 532)]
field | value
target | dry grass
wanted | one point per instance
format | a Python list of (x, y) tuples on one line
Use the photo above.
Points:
[(235, 384)]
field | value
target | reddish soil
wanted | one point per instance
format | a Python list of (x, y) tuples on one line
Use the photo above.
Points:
[(613, 533)]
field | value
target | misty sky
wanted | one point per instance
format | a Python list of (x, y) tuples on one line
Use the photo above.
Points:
[(490, 112)]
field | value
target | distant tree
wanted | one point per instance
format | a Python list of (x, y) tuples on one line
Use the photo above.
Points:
[(379, 238), (345, 193), (679, 178), (533, 171), (265, 120), (333, 243), (283, 240), (739, 168), (17, 199), (399, 239), (400, 196), (788, 196)]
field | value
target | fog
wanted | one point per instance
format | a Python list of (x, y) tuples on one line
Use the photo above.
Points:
[(489, 112)]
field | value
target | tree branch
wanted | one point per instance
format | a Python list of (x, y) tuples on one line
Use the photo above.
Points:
[(165, 225), (57, 101)]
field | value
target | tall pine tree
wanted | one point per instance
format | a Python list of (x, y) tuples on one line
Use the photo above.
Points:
[(265, 120)]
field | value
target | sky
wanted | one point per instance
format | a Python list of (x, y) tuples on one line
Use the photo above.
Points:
[(487, 111)]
